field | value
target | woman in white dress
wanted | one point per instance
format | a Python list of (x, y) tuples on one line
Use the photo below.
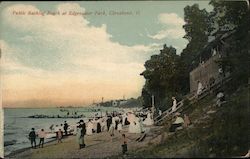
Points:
[(137, 126), (95, 124), (149, 120), (89, 128), (134, 126), (200, 88), (104, 124), (131, 119), (174, 104), (141, 126), (119, 126), (124, 116)]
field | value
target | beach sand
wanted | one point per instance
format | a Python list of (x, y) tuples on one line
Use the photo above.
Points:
[(100, 145)]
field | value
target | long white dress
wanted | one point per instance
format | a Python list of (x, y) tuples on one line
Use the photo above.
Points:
[(95, 125), (131, 119), (200, 88), (137, 125), (174, 105), (113, 120), (124, 116), (149, 120), (141, 125), (134, 126), (104, 124), (119, 127), (89, 128)]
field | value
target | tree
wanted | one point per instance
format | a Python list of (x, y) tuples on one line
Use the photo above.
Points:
[(163, 76), (233, 15), (197, 27)]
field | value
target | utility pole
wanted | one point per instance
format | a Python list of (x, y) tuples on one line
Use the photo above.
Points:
[(153, 101), (153, 105)]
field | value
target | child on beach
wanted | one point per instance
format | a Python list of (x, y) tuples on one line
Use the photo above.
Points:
[(59, 136), (41, 135), (124, 144)]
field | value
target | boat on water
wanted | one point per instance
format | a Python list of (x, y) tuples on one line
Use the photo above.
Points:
[(52, 133)]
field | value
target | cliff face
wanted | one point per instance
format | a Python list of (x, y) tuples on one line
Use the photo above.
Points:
[(215, 131)]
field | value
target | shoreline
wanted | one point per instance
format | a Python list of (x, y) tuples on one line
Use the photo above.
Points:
[(15, 152), (98, 145)]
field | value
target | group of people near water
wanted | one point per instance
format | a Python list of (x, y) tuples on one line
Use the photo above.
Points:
[(42, 134), (111, 122)]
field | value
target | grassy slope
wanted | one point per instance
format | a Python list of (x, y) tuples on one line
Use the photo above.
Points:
[(224, 133)]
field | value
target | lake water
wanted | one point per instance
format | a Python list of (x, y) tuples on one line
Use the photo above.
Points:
[(17, 126)]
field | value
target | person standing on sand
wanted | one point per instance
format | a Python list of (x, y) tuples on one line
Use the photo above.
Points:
[(89, 130), (56, 130), (104, 124), (65, 127), (59, 136), (32, 137), (99, 128), (42, 136), (79, 137), (109, 121), (119, 126), (112, 129), (83, 132), (124, 144)]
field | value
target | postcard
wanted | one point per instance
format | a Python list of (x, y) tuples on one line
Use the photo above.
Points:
[(124, 79)]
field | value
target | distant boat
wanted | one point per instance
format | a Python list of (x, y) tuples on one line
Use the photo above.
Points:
[(52, 134)]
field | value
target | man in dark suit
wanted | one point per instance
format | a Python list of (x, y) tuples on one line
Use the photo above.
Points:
[(109, 121), (83, 132)]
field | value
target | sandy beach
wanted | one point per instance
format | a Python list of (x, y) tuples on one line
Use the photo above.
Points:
[(100, 145)]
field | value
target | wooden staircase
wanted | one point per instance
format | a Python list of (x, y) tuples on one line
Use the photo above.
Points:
[(192, 98)]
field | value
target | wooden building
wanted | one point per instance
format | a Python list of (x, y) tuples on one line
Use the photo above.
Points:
[(209, 71)]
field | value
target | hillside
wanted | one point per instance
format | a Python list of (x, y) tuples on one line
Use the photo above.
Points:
[(215, 131)]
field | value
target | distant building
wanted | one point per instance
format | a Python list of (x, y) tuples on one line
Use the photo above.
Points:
[(115, 103), (122, 102)]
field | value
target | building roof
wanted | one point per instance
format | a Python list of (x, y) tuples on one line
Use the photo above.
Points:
[(215, 42)]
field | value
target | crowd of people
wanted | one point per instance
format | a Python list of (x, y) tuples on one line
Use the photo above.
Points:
[(111, 122)]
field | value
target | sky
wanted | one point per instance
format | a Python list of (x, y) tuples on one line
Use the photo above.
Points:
[(51, 58)]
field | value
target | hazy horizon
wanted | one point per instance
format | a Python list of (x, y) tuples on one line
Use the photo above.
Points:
[(51, 60)]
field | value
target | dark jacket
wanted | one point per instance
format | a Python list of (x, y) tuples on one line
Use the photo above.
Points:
[(32, 135), (83, 131)]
